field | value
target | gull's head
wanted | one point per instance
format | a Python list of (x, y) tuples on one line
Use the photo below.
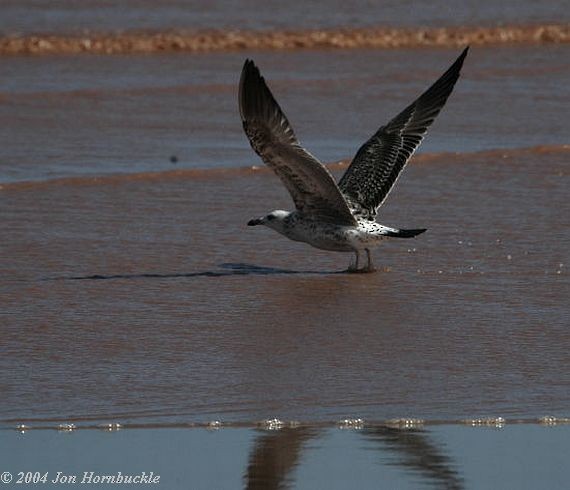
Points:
[(274, 219)]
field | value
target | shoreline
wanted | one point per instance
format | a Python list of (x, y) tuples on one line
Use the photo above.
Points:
[(277, 424)]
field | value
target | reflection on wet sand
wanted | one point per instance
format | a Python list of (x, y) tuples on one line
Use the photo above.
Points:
[(416, 453), (275, 456)]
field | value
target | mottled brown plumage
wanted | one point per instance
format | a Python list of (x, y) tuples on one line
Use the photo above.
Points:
[(378, 162), (310, 184), (330, 216)]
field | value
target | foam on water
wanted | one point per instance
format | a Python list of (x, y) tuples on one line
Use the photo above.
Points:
[(275, 424), (348, 38)]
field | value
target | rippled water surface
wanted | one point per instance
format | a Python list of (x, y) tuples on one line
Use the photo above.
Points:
[(149, 298), (92, 115), (22, 16)]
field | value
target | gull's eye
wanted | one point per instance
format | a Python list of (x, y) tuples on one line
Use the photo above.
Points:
[(270, 217)]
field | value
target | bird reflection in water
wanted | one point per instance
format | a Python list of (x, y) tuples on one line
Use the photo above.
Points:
[(416, 453), (276, 455)]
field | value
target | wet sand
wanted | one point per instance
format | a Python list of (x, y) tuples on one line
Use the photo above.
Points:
[(149, 299)]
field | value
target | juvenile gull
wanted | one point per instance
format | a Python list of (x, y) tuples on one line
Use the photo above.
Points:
[(339, 217)]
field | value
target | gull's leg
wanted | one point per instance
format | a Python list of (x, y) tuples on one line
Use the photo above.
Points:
[(353, 267), (370, 266)]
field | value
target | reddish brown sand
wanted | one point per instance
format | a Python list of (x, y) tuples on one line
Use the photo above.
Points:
[(231, 40), (148, 298)]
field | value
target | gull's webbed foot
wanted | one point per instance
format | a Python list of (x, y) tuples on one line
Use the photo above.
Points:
[(353, 267)]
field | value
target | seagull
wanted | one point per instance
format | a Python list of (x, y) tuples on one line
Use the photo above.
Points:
[(329, 216)]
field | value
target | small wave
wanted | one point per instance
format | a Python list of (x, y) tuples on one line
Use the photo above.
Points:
[(232, 40), (217, 173), (275, 424)]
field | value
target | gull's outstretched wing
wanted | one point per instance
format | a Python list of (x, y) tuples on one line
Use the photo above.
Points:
[(310, 184), (377, 164)]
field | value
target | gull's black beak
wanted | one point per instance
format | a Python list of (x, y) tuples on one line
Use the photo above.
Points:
[(254, 222)]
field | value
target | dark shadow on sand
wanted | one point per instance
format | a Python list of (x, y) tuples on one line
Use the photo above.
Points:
[(227, 269)]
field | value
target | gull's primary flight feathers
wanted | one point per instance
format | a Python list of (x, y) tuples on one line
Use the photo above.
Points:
[(330, 216)]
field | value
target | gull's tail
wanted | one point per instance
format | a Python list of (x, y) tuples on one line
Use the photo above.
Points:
[(406, 233)]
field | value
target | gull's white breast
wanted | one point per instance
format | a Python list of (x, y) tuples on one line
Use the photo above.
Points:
[(332, 237)]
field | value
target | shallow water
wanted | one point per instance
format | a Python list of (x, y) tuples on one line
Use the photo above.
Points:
[(24, 16), (92, 115), (148, 298), (447, 456)]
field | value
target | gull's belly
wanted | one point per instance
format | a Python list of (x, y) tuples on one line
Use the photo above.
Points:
[(366, 235), (320, 235), (335, 238)]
